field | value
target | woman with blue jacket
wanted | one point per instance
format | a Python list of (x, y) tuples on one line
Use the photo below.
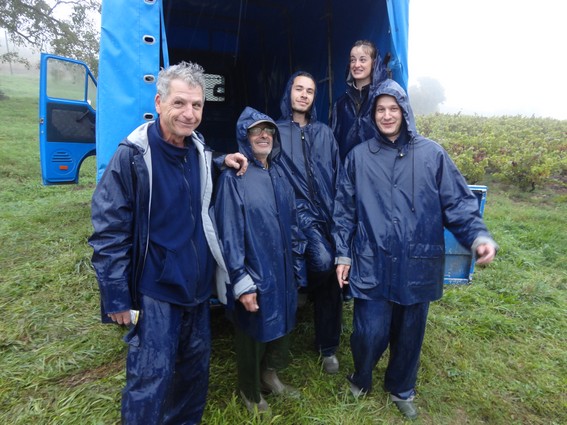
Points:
[(256, 222), (351, 118)]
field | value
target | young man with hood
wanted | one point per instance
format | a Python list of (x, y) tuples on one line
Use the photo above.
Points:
[(351, 118), (154, 249), (256, 221), (310, 158), (399, 193)]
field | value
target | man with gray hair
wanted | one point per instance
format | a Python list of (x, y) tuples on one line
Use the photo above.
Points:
[(154, 252)]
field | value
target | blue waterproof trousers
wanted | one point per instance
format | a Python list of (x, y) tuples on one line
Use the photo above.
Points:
[(377, 323), (323, 288), (167, 369)]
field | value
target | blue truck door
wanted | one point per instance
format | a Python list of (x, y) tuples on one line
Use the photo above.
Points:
[(67, 116)]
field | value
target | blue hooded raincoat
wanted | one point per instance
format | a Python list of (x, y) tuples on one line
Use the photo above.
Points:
[(256, 221), (310, 159), (350, 125), (391, 210)]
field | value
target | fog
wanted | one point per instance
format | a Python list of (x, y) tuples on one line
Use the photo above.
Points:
[(493, 57)]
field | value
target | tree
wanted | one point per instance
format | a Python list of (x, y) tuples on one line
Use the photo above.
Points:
[(426, 97), (38, 24)]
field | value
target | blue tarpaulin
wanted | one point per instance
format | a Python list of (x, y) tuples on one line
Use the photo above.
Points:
[(253, 46)]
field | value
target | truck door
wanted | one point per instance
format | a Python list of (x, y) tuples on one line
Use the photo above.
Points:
[(67, 114)]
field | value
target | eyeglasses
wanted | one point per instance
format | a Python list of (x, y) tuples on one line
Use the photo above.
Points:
[(256, 131)]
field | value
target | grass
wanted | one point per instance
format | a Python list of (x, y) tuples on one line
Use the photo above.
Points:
[(494, 353)]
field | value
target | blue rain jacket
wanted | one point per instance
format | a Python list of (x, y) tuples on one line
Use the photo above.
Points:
[(256, 221), (390, 212), (351, 126), (310, 159), (120, 216)]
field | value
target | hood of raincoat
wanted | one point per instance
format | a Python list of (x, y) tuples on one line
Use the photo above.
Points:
[(248, 117), (391, 88), (285, 103)]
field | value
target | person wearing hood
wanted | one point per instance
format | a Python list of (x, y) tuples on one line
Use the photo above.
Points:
[(310, 159), (399, 193), (351, 118), (262, 246), (154, 249)]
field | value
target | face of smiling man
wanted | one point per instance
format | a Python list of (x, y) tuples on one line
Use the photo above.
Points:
[(262, 142), (388, 116), (302, 94), (180, 111)]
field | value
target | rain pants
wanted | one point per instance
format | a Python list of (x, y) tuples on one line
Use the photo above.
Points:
[(310, 159), (353, 123), (390, 213), (169, 340)]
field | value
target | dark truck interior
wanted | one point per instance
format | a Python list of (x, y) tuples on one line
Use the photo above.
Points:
[(250, 48)]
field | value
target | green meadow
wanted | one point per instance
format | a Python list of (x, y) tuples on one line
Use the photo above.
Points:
[(495, 350)]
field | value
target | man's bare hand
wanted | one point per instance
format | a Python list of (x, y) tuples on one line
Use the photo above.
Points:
[(342, 274), (249, 302), (485, 253), (122, 318), (237, 161)]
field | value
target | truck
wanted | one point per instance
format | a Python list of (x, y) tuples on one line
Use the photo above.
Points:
[(248, 49)]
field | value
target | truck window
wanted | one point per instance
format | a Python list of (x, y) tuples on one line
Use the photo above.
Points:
[(66, 80)]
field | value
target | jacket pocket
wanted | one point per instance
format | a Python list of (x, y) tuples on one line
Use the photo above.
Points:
[(368, 270), (426, 263), (268, 300)]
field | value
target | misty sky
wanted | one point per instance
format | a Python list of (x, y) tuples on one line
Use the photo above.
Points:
[(493, 57)]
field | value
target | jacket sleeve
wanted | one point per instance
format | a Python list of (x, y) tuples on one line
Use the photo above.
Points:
[(112, 219), (461, 212), (344, 214), (230, 220)]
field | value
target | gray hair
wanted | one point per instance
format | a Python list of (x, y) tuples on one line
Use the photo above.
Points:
[(191, 73)]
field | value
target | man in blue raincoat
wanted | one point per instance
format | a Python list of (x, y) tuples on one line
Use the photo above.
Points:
[(399, 192), (310, 158), (256, 221), (153, 247)]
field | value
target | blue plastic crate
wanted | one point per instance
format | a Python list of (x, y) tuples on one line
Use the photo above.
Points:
[(459, 262)]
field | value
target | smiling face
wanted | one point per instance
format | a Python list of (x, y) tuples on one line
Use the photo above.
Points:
[(262, 142), (361, 65), (180, 111), (302, 94), (388, 116)]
